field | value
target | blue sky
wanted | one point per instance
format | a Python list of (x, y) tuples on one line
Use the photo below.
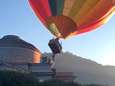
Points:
[(16, 17)]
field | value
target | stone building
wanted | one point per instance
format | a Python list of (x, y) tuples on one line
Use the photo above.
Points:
[(15, 50), (18, 55)]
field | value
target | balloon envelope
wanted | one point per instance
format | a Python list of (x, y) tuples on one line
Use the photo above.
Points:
[(65, 18)]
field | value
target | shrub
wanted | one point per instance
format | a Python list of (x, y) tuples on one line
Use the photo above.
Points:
[(11, 78)]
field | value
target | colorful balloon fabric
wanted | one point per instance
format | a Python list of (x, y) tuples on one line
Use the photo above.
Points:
[(65, 18)]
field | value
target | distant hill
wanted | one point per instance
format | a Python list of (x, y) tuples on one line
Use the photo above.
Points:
[(87, 71)]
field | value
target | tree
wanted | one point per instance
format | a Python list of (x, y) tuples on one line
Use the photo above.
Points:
[(11, 78)]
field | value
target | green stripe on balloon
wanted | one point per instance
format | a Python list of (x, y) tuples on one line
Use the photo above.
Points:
[(60, 6), (52, 4)]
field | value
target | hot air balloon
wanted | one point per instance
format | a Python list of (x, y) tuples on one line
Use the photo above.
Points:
[(65, 18)]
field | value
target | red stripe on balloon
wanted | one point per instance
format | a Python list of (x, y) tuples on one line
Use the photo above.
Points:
[(41, 8), (45, 7), (96, 23), (91, 26)]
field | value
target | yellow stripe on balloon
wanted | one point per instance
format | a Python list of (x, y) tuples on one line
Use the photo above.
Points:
[(67, 6), (76, 7), (85, 19), (85, 9), (95, 13), (106, 18), (109, 15)]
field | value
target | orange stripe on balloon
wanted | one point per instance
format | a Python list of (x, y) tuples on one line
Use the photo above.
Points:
[(97, 23), (67, 6), (76, 8), (113, 1), (96, 13), (89, 5)]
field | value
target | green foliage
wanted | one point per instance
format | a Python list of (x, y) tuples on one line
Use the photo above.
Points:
[(72, 84), (95, 85), (11, 78), (53, 83), (58, 83)]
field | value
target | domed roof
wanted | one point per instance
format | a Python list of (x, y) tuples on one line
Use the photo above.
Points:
[(15, 41), (10, 37)]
